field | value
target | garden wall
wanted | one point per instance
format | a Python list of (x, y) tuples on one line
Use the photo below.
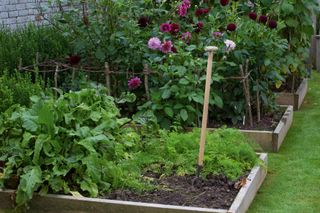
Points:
[(14, 13)]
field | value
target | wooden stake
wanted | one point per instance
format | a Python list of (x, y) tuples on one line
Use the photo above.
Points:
[(246, 90), (146, 80), (56, 73), (37, 58), (258, 105), (210, 50), (73, 77), (107, 76)]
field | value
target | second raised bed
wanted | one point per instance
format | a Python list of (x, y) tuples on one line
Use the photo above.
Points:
[(294, 99)]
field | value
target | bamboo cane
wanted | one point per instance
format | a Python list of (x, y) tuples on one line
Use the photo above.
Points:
[(210, 50)]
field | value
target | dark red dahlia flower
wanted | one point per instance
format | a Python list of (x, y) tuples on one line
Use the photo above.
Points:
[(165, 27), (224, 2), (143, 21), (263, 19), (175, 28), (174, 49), (231, 27), (205, 10), (199, 12), (253, 16), (200, 25), (74, 59), (272, 24)]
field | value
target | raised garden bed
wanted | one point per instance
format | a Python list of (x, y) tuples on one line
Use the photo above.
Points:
[(293, 99), (270, 140), (65, 203)]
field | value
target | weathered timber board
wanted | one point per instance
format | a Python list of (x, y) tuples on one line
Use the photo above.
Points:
[(294, 99)]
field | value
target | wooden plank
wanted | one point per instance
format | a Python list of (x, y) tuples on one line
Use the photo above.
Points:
[(317, 52), (282, 129), (6, 199), (250, 189), (295, 99), (69, 204), (263, 138), (313, 52), (284, 98), (301, 93)]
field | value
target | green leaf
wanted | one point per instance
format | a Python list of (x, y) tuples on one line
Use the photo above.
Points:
[(286, 7), (168, 111), (184, 81), (100, 55), (95, 116), (38, 147), (291, 22), (191, 47), (89, 186), (29, 183), (86, 143), (166, 94), (184, 114), (126, 98), (198, 99), (218, 101), (29, 122), (45, 116)]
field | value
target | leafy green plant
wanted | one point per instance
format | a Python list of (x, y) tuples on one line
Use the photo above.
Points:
[(79, 143), (17, 88), (298, 30), (72, 143), (227, 152), (27, 42)]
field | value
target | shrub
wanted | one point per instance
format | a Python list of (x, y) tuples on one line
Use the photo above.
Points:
[(17, 88), (26, 42)]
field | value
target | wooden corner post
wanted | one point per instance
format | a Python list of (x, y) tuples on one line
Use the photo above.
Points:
[(210, 50)]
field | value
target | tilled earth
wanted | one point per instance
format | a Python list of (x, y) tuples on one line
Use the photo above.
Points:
[(213, 192)]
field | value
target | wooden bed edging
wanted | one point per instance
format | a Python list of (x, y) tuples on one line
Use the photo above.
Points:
[(270, 141), (295, 99), (70, 204)]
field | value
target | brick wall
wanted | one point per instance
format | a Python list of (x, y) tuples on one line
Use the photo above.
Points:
[(14, 13)]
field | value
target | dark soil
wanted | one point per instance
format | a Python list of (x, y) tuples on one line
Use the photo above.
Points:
[(268, 122), (213, 192), (2, 163)]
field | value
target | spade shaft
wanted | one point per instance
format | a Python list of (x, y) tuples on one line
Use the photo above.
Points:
[(210, 50)]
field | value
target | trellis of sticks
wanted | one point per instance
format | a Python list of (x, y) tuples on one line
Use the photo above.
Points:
[(56, 67)]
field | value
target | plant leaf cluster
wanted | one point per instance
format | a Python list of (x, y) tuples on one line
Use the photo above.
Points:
[(78, 142)]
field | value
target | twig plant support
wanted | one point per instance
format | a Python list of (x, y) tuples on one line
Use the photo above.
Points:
[(210, 50)]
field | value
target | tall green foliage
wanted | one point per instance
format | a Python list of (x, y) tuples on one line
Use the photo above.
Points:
[(26, 42), (17, 88)]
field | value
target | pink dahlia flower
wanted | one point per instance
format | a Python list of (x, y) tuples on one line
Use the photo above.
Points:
[(134, 83), (165, 27), (154, 43), (166, 46), (186, 37)]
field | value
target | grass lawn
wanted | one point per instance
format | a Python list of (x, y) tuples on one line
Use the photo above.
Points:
[(293, 181)]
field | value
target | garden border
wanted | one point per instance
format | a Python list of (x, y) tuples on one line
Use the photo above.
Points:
[(295, 99), (270, 141), (70, 204)]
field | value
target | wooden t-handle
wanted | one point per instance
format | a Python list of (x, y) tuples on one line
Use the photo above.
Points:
[(210, 50)]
